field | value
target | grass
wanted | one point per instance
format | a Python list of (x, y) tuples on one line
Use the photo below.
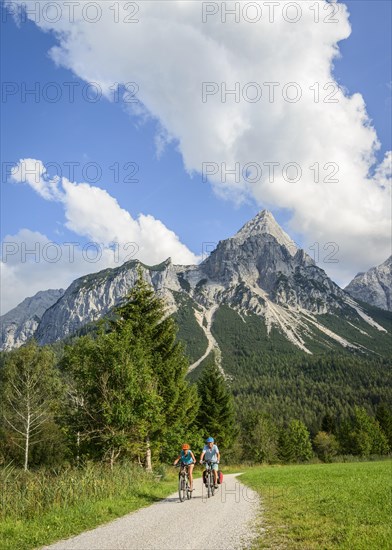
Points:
[(40, 508), (324, 506)]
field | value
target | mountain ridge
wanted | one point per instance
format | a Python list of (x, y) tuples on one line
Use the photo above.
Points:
[(258, 271)]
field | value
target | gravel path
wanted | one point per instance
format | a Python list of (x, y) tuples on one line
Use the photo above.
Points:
[(223, 522)]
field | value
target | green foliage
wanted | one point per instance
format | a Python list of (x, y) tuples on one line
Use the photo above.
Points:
[(326, 446), (269, 374), (129, 389), (189, 331), (216, 415), (362, 435), (31, 391), (114, 397), (294, 443), (384, 418), (259, 437)]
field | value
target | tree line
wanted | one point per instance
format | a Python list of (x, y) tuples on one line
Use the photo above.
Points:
[(123, 392)]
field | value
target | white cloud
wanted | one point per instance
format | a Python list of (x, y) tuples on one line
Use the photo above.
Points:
[(30, 262), (33, 173), (170, 52)]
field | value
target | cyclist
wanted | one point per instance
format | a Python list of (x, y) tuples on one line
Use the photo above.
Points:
[(211, 453), (188, 458)]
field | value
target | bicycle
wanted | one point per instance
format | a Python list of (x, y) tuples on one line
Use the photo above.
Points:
[(209, 478), (183, 482)]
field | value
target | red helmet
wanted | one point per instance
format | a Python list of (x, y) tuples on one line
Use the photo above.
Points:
[(185, 446)]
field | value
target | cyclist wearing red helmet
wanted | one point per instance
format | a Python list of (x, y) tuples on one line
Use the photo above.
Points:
[(188, 458)]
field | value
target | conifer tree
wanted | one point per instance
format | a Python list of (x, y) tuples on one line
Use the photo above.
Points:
[(384, 418), (216, 416), (151, 328)]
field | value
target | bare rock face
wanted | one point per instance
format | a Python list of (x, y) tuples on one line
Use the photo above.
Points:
[(375, 286), (20, 324), (91, 297), (259, 270)]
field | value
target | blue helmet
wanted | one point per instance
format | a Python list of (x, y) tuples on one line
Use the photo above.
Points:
[(210, 440)]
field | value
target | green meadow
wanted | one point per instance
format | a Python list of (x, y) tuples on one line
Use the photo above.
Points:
[(324, 506)]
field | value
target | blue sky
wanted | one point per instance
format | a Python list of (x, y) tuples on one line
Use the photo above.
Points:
[(103, 133)]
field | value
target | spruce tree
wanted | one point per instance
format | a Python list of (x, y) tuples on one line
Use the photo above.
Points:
[(150, 327), (384, 418), (216, 416)]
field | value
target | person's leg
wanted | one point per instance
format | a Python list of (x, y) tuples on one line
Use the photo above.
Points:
[(215, 470), (190, 475)]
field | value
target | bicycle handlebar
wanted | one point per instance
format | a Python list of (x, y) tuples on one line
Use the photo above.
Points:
[(183, 464)]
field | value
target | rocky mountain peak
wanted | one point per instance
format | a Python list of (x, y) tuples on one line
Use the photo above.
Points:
[(264, 223), (374, 286)]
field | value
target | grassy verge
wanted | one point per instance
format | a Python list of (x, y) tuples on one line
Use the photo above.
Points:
[(40, 508), (325, 506)]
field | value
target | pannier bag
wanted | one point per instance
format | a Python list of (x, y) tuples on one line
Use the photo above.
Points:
[(220, 477), (205, 477)]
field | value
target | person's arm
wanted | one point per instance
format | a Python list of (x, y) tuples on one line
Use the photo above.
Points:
[(217, 454), (177, 459), (202, 456), (193, 457)]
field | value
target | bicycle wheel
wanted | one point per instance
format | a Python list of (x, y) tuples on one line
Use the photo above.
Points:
[(209, 484), (212, 483), (181, 488), (188, 491)]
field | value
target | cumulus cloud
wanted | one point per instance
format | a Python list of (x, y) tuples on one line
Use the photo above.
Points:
[(300, 117), (31, 262)]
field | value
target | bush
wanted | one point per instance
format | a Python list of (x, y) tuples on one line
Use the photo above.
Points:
[(326, 446)]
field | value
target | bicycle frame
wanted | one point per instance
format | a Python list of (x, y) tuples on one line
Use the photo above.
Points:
[(183, 482), (209, 477)]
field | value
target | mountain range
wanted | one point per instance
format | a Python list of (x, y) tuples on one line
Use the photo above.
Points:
[(258, 277)]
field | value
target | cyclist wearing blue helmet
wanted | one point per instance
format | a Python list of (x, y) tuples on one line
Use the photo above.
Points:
[(211, 453)]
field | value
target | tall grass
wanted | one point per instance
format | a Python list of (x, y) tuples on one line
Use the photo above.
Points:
[(26, 495), (37, 508)]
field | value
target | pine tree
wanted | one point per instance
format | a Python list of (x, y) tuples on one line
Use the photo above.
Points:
[(328, 424), (216, 416)]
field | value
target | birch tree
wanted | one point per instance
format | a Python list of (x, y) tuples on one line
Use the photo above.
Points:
[(31, 389)]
